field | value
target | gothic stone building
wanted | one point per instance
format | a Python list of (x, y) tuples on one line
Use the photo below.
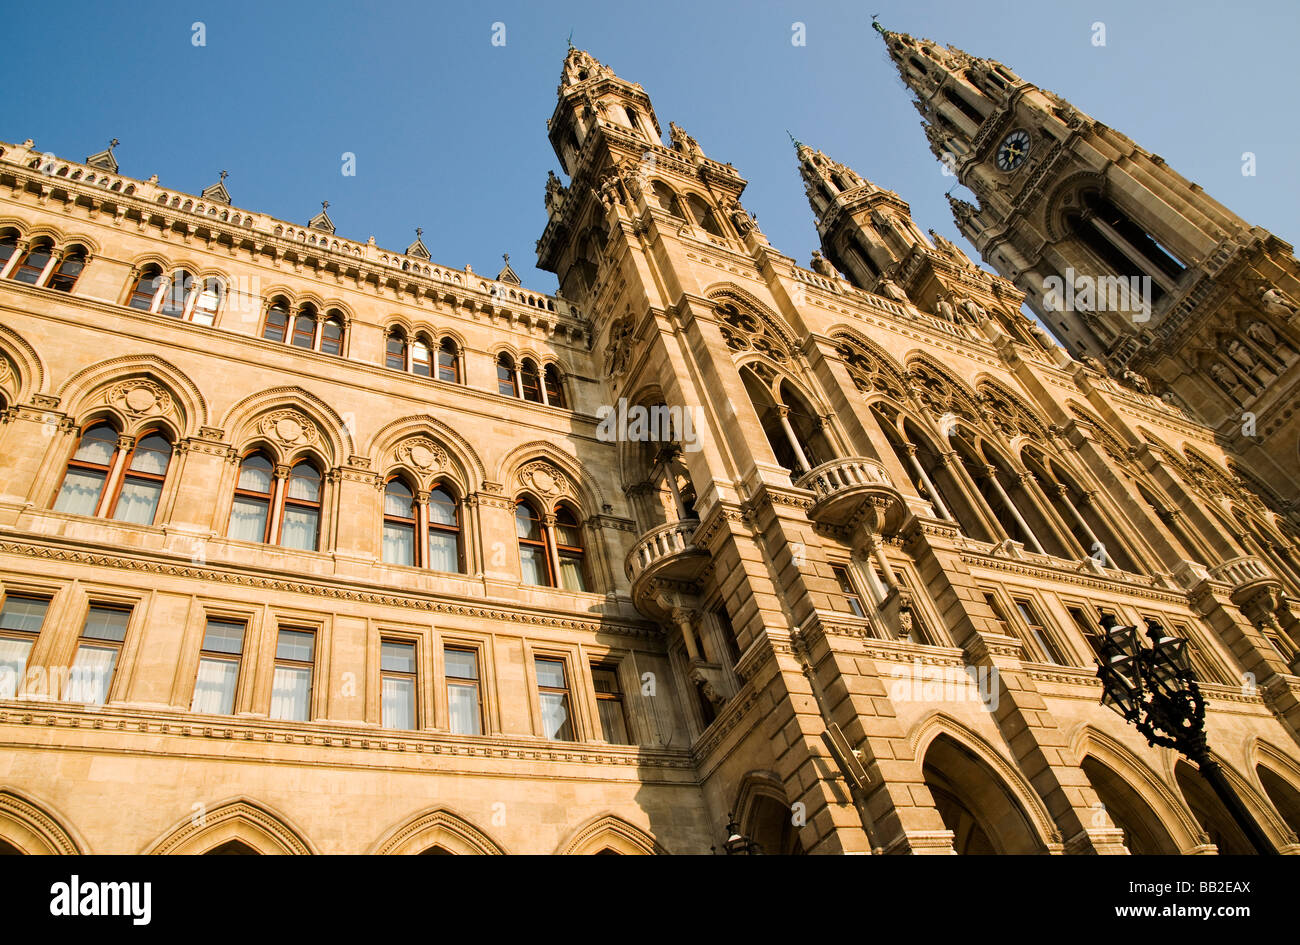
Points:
[(310, 546)]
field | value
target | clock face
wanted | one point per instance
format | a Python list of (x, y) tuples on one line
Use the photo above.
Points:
[(1013, 150)]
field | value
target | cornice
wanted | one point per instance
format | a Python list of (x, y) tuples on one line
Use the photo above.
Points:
[(335, 589)]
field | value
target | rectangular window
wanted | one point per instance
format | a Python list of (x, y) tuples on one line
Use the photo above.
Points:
[(728, 634), (1004, 625), (97, 654), (920, 629), (397, 683), (1091, 632), (851, 595), (295, 657), (609, 704), (464, 706), (1206, 670), (553, 690), (223, 648), (1047, 648), (20, 623)]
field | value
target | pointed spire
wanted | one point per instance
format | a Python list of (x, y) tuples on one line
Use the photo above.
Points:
[(418, 249), (507, 274), (105, 159), (322, 221), (217, 192)]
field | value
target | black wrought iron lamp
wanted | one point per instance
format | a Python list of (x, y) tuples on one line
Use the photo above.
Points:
[(737, 843), (1154, 688)]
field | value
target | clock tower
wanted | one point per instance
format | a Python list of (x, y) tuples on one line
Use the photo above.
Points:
[(1122, 258)]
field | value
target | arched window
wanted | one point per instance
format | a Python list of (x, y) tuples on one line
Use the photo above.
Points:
[(534, 559), (31, 267), (250, 514), (666, 199), (142, 484), (532, 383), (68, 270), (302, 505), (395, 350), (704, 215), (506, 376), (176, 291), (554, 389), (963, 106), (444, 532), (421, 357), (207, 302), (8, 246), (277, 321), (568, 548), (448, 361), (83, 483), (146, 288), (399, 523), (304, 328), (331, 335)]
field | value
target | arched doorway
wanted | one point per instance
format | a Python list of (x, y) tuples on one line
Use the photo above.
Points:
[(769, 823), (8, 849), (1210, 812), (1284, 797), (975, 803), (1144, 833), (232, 848)]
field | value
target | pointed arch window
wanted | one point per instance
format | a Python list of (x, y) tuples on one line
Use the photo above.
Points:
[(122, 480), (68, 270), (448, 361), (399, 523), (704, 215), (142, 484), (554, 388), (171, 301), (421, 357), (8, 247), (506, 376), (532, 385), (207, 301), (569, 550), (331, 335), (250, 514), (302, 508), (445, 553), (534, 558), (32, 265), (395, 350), (666, 199), (304, 328), (277, 321), (87, 473)]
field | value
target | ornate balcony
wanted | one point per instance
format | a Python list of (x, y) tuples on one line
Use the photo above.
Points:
[(664, 553), (845, 487)]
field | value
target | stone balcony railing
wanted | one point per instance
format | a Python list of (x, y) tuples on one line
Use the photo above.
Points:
[(841, 487), (1242, 571), (660, 544)]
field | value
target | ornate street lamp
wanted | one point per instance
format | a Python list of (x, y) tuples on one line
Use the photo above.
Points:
[(737, 843), (1155, 689)]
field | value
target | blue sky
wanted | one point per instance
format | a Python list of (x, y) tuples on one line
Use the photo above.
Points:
[(449, 130)]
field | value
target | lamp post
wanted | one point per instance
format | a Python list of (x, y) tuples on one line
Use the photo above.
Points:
[(1155, 688), (737, 843)]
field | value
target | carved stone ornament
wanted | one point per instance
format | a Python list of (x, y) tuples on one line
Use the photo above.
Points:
[(544, 479), (139, 398), (619, 349), (422, 454), (289, 427)]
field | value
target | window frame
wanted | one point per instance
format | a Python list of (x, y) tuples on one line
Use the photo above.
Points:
[(417, 715), (1039, 634), (30, 636), (125, 473), (853, 594), (280, 662), (222, 656), (611, 666), (461, 681), (118, 646), (567, 692)]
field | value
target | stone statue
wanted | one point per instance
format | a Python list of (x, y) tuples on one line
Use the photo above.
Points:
[(555, 192), (1223, 376), (944, 311), (681, 140), (619, 349), (973, 310), (1277, 302), (740, 217), (1094, 364), (1262, 333), (1239, 353), (1136, 381), (891, 289), (822, 266)]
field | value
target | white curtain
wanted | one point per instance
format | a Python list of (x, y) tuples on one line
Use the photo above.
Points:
[(462, 705), (399, 702), (300, 529), (80, 492), (214, 691), (92, 674), (248, 520), (291, 693), (137, 501), (13, 663)]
